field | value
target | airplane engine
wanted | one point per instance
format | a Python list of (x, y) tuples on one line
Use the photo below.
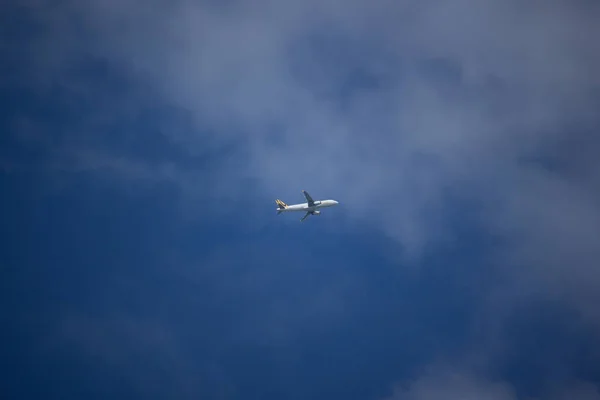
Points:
[(316, 212)]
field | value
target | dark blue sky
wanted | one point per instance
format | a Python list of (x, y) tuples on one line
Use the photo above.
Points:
[(142, 150)]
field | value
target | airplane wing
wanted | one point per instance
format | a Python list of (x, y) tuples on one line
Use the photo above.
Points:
[(309, 199), (305, 216)]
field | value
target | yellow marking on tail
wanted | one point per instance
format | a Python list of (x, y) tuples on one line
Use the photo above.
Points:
[(280, 203)]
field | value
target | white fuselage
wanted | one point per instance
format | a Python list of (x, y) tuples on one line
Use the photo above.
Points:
[(304, 206)]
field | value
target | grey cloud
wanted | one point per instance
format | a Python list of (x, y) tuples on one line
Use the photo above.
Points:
[(132, 349), (443, 384), (457, 384), (518, 78), (578, 390), (469, 98)]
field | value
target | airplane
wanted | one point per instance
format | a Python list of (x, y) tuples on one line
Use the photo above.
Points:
[(311, 207)]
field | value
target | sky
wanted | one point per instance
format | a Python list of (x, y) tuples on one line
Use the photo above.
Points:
[(144, 143)]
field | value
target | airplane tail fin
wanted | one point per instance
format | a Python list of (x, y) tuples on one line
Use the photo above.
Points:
[(281, 205)]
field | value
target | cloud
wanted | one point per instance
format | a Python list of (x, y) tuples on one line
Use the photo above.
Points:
[(401, 110), (402, 101), (409, 103), (453, 385), (133, 355), (579, 390)]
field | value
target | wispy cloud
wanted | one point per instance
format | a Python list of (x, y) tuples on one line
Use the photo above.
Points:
[(403, 102), (453, 384), (394, 108)]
